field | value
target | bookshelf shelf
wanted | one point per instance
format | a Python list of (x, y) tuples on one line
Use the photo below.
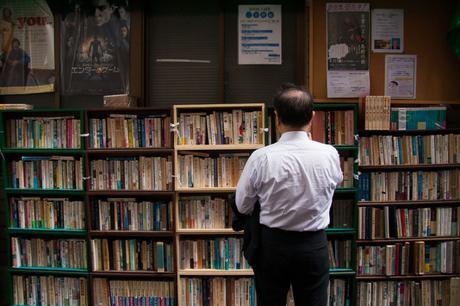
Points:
[(410, 203), (130, 193), (394, 240), (408, 132), (130, 151), (206, 190), (224, 231), (341, 271), (409, 167), (340, 231), (31, 151), (222, 147), (51, 271), (47, 232), (346, 148), (398, 277), (95, 233), (214, 272), (340, 190), (132, 274), (61, 192)]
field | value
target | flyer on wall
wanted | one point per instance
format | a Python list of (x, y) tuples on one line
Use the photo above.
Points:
[(259, 35), (387, 30), (347, 50), (401, 76), (27, 47), (95, 48)]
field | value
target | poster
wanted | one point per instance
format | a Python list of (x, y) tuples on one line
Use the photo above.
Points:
[(95, 47), (400, 76), (27, 47), (347, 50), (388, 30), (259, 35)]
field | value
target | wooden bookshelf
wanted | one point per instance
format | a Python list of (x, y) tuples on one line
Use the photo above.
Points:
[(403, 244)]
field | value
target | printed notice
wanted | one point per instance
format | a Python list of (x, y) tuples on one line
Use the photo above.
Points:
[(387, 30), (347, 50), (400, 76), (259, 35)]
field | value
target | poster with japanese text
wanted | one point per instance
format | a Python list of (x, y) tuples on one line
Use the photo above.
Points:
[(27, 47), (347, 49), (95, 47), (259, 35)]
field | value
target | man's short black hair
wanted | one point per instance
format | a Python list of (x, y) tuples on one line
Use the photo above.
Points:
[(293, 105)]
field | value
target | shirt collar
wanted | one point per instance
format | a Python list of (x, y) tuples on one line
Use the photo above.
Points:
[(294, 136)]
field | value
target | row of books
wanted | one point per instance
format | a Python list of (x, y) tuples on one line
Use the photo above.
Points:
[(339, 253), (235, 127), (53, 253), (129, 131), (338, 293), (201, 172), (392, 222), (215, 253), (232, 291), (47, 172), (409, 185), (217, 291), (409, 150), (346, 164), (342, 213), (409, 292), (334, 127), (133, 292), (409, 258), (131, 255), (204, 212), (43, 132), (377, 112), (46, 213), (49, 290), (128, 214), (418, 118), (131, 173)]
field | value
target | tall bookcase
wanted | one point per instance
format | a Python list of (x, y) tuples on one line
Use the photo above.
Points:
[(408, 238), (43, 166), (211, 145), (130, 204)]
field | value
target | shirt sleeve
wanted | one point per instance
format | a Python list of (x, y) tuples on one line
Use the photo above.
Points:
[(246, 193)]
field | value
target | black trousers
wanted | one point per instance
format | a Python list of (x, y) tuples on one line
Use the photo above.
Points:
[(289, 258)]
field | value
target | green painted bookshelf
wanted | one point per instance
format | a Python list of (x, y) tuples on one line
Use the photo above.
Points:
[(31, 139)]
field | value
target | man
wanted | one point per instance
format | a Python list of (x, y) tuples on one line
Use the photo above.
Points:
[(294, 181), (95, 51)]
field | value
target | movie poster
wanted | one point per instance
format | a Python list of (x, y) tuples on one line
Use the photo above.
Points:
[(95, 47), (27, 47)]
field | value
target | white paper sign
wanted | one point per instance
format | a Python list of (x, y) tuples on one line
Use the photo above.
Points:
[(347, 84), (400, 76), (388, 30), (259, 35)]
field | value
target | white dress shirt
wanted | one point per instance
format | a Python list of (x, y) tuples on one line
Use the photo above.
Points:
[(294, 181)]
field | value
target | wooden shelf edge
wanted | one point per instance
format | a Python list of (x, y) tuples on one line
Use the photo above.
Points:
[(409, 239), (408, 203), (413, 276), (213, 272)]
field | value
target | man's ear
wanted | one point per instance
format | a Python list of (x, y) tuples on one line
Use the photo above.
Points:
[(311, 120)]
